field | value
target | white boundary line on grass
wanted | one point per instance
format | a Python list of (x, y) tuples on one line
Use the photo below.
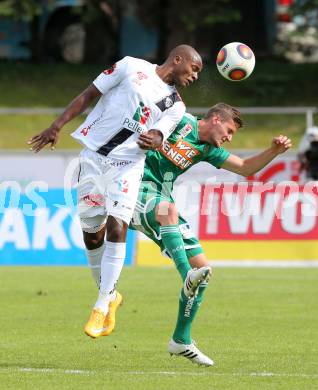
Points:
[(207, 372), (265, 263)]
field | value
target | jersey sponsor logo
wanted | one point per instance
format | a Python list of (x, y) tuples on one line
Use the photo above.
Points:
[(123, 186), (94, 200), (132, 125), (140, 77), (86, 129), (110, 70), (168, 101), (140, 117), (123, 206), (180, 154), (142, 113), (121, 163), (185, 130)]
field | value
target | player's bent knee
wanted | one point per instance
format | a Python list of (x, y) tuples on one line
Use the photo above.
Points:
[(93, 231), (167, 214), (199, 261), (116, 229), (93, 240)]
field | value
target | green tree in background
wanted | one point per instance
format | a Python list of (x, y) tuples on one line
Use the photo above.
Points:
[(183, 15), (101, 21), (27, 11)]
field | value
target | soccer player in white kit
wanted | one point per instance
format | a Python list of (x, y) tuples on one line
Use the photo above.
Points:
[(138, 109)]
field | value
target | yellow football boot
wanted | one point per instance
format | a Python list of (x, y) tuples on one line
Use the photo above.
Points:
[(95, 324), (109, 322)]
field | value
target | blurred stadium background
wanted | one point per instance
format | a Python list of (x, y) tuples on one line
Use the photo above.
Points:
[(51, 50)]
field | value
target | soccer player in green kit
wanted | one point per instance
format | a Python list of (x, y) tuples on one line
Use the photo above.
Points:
[(156, 214)]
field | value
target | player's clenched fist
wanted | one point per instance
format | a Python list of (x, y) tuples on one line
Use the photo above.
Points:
[(281, 144), (152, 139)]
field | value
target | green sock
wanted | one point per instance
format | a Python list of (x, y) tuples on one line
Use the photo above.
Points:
[(188, 308), (173, 242)]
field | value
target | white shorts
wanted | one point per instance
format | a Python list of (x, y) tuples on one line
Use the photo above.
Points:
[(107, 186)]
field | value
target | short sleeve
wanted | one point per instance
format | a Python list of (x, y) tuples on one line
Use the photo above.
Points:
[(217, 157), (170, 119), (112, 76)]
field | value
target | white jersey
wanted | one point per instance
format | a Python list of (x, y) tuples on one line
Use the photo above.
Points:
[(134, 100)]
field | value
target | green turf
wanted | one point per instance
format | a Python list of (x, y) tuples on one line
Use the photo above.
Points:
[(259, 129), (259, 325), (16, 130)]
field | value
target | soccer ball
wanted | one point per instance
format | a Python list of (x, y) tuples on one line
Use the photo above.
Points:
[(235, 61)]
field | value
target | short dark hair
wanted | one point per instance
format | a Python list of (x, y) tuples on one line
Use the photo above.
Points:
[(226, 112)]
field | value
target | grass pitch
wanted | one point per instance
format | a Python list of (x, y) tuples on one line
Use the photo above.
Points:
[(258, 131), (258, 325)]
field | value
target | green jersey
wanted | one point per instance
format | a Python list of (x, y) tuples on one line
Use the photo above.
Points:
[(179, 152), (162, 167)]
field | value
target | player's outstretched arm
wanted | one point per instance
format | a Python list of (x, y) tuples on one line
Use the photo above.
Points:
[(75, 108), (251, 165)]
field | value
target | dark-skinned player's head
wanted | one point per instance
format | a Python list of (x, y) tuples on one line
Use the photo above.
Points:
[(184, 64)]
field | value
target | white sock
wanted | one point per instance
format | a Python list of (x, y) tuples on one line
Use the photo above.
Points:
[(94, 261), (111, 266)]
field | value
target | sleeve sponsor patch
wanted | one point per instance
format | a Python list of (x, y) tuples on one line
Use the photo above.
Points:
[(168, 101)]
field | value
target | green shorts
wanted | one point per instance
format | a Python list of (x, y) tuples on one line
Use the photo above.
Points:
[(144, 219)]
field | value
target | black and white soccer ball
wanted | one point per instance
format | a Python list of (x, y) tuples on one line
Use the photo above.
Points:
[(235, 61)]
